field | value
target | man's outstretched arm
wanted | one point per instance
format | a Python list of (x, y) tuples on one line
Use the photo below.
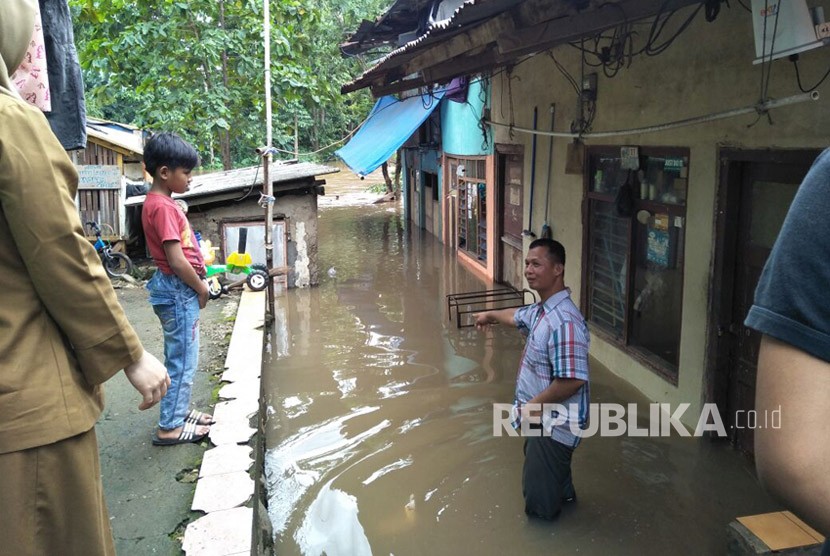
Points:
[(501, 316), (793, 460)]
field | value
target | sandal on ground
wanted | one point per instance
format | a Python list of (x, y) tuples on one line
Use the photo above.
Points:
[(196, 417), (186, 436)]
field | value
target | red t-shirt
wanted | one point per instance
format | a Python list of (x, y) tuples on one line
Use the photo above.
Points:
[(163, 220)]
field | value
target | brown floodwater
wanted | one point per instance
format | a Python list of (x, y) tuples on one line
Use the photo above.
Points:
[(380, 425)]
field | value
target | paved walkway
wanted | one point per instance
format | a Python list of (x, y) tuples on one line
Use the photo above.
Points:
[(149, 489)]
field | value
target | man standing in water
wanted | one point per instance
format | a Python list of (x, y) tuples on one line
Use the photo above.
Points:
[(553, 370)]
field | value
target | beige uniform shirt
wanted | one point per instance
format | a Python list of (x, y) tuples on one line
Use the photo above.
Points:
[(62, 331)]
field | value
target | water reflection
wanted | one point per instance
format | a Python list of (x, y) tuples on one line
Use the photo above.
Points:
[(379, 399), (382, 436)]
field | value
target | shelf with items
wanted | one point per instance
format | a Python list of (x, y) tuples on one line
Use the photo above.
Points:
[(462, 217)]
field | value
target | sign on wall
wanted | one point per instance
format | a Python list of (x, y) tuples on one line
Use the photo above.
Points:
[(99, 177)]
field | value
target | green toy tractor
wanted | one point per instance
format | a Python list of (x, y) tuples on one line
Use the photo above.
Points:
[(238, 262)]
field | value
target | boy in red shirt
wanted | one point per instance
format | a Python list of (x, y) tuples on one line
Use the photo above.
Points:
[(177, 289)]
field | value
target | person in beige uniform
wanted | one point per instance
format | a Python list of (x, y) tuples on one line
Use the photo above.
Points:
[(62, 334)]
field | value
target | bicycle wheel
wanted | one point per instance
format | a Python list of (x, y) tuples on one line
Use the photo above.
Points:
[(117, 265)]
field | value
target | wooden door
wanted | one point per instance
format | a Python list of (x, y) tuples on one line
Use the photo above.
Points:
[(766, 192), (511, 192)]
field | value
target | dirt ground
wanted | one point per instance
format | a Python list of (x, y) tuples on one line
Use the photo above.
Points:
[(149, 489)]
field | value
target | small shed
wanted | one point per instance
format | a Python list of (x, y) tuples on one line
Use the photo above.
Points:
[(113, 153), (221, 203)]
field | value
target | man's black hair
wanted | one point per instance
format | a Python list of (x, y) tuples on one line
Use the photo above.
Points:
[(168, 149), (556, 251)]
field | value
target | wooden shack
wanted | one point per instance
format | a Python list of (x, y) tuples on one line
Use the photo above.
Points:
[(220, 204), (113, 153)]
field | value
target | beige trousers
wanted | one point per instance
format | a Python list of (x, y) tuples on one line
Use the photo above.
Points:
[(52, 501)]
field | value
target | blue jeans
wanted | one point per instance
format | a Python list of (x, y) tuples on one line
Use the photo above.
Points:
[(177, 306)]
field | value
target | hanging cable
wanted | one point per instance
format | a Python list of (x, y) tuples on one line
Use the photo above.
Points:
[(564, 72), (712, 10), (794, 59), (759, 108), (771, 52)]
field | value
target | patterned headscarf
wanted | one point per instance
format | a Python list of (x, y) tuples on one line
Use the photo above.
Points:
[(17, 19)]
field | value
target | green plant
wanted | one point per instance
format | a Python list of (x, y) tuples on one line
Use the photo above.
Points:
[(377, 188)]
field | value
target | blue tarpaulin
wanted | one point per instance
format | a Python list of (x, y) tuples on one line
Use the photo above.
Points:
[(390, 123)]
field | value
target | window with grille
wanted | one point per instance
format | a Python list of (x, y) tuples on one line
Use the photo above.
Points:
[(468, 178), (635, 250)]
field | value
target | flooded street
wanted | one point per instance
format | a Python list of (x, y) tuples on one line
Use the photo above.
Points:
[(380, 425)]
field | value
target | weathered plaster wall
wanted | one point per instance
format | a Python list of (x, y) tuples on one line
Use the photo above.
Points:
[(460, 132), (707, 70), (300, 211)]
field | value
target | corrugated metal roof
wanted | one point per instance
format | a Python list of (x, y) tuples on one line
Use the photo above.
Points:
[(243, 178), (121, 135), (403, 16), (472, 11)]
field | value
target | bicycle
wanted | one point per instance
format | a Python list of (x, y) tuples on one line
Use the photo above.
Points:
[(116, 264)]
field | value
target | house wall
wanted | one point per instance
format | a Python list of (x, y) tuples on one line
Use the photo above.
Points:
[(707, 70), (300, 211), (460, 132), (461, 136), (422, 210), (134, 170)]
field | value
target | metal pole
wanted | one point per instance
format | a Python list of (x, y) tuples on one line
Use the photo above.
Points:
[(266, 31), (296, 137), (267, 186)]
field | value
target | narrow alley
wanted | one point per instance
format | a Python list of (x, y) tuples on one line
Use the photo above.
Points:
[(380, 425)]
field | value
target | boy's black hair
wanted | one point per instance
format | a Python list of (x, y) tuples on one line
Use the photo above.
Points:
[(556, 251), (168, 149)]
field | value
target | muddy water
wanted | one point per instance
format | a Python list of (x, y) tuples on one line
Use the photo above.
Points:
[(380, 425)]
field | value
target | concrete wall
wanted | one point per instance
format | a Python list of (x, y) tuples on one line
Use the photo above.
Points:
[(707, 70), (460, 134), (423, 212), (300, 211)]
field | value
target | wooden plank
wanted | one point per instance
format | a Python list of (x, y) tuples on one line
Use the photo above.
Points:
[(461, 65), (807, 529), (465, 43), (244, 359), (779, 531), (437, 63)]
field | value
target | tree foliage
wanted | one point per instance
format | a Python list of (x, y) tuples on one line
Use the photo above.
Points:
[(196, 68)]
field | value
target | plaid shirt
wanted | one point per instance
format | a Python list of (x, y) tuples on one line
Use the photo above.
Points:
[(557, 347)]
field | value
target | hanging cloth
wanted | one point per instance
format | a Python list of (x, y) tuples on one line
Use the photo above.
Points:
[(16, 19), (31, 78), (68, 115)]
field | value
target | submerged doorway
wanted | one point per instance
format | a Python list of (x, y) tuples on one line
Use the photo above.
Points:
[(756, 189), (510, 188)]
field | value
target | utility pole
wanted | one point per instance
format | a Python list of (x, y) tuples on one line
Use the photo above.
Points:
[(296, 137), (267, 186)]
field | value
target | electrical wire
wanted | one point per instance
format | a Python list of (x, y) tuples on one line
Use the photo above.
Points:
[(771, 52), (759, 108), (250, 188), (616, 51), (766, 61), (427, 104), (564, 72), (794, 58)]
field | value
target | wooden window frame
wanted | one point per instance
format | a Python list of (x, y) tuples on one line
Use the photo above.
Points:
[(455, 183), (650, 360)]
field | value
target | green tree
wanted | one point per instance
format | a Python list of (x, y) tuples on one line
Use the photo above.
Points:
[(196, 68)]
